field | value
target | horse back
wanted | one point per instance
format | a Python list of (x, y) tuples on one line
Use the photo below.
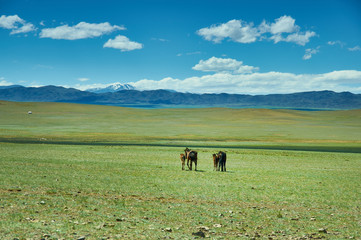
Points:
[(192, 155)]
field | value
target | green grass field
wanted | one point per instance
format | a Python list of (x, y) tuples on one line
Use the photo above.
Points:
[(69, 171)]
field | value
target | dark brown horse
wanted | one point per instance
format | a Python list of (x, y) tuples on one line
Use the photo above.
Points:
[(191, 157), (222, 156)]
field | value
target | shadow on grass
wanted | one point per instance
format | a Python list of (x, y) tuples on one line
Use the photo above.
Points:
[(187, 170), (210, 171), (220, 172)]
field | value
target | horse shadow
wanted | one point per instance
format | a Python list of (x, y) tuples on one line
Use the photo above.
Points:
[(225, 171), (202, 171), (188, 170)]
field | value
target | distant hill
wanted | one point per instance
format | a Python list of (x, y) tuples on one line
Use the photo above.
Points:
[(303, 100), (43, 94), (10, 86)]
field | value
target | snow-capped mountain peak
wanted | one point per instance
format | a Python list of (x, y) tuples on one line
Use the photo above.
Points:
[(112, 88)]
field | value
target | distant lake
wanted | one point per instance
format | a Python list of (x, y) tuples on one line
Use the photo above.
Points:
[(160, 106)]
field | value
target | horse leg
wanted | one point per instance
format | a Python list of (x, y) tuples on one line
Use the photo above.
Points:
[(195, 163)]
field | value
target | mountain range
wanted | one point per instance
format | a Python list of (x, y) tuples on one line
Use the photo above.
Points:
[(161, 98)]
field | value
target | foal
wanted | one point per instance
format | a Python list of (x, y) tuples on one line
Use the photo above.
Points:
[(183, 160), (215, 162)]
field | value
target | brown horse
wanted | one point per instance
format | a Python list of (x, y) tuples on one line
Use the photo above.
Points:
[(183, 160), (191, 157), (215, 162)]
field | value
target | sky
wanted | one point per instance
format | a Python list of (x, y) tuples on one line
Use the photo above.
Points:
[(245, 47)]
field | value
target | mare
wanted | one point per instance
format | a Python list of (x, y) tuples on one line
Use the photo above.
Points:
[(222, 156), (191, 157)]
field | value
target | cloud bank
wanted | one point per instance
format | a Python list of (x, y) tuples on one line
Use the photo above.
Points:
[(283, 29), (258, 83), (229, 77)]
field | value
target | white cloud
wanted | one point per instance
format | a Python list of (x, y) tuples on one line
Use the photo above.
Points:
[(189, 53), (27, 27), (160, 39), (10, 22), (80, 31), (332, 42), (42, 66), (214, 64), (16, 24), (284, 24), (243, 32), (309, 52), (90, 86), (237, 30), (338, 42), (277, 38), (298, 38), (83, 79), (258, 83), (123, 43), (3, 82), (354, 49)]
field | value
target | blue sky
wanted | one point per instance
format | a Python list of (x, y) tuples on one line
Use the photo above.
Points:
[(252, 47)]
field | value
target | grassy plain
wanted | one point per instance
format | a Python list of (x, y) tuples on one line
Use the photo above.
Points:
[(69, 171), (60, 122)]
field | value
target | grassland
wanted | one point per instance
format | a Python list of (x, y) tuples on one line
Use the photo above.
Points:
[(69, 171), (57, 122)]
